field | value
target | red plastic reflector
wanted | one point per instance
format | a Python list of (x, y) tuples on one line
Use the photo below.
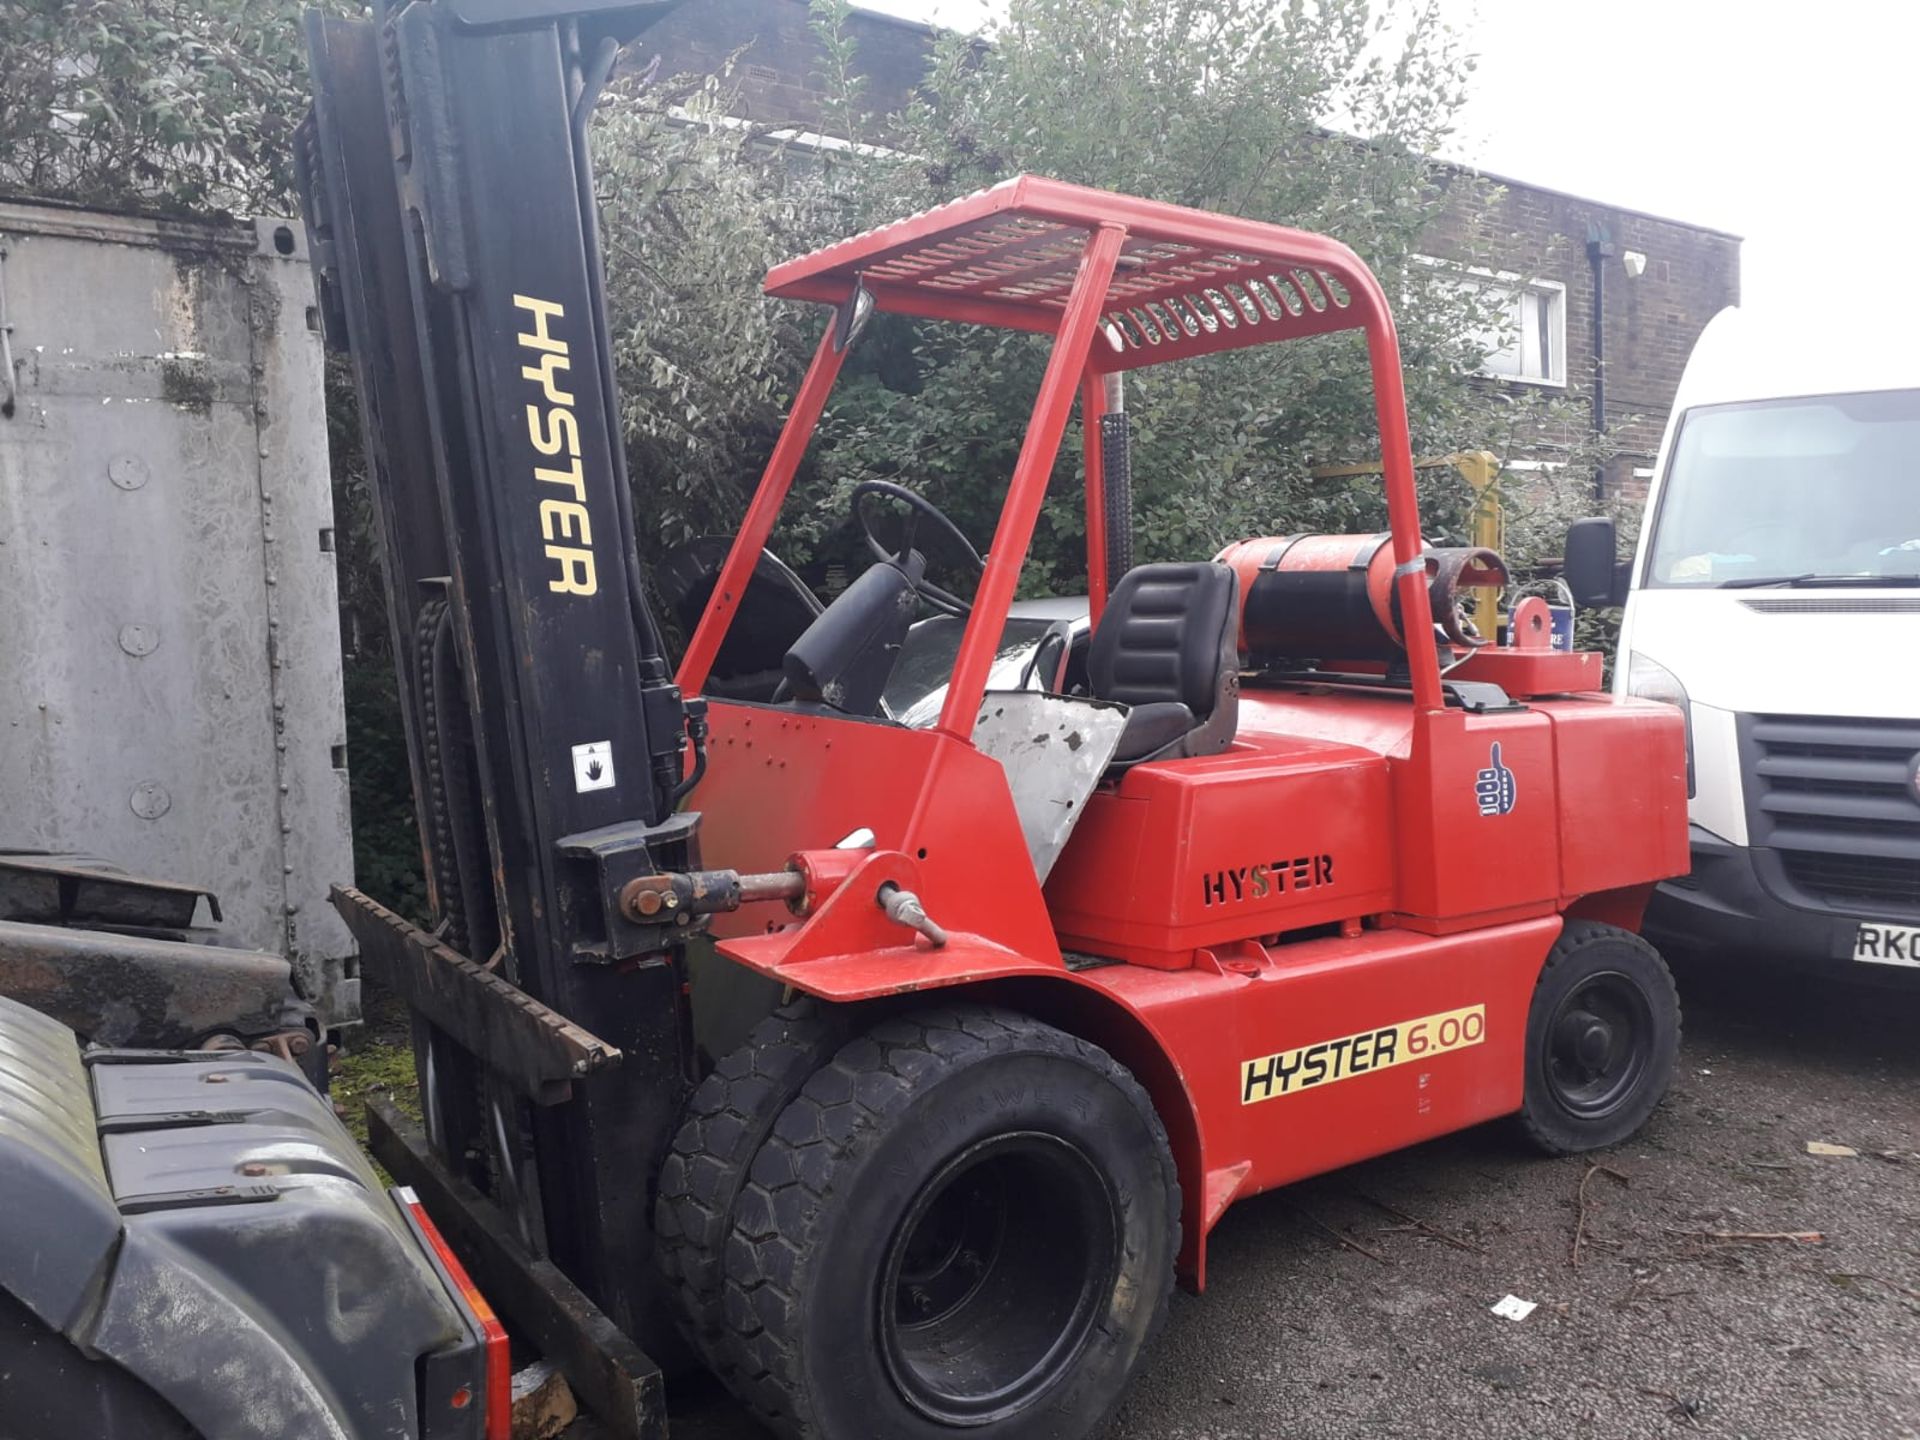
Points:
[(499, 1414)]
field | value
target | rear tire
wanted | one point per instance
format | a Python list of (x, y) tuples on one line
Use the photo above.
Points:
[(1603, 1037), (966, 1224), (726, 1120)]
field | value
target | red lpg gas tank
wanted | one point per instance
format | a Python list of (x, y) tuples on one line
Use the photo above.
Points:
[(1320, 597)]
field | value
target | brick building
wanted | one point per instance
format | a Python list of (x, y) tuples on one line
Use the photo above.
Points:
[(1536, 249), (1660, 281)]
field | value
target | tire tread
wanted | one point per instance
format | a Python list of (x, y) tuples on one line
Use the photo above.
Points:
[(845, 1106), (1576, 936), (723, 1126)]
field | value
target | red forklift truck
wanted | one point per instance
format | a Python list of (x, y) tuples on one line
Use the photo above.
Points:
[(1215, 919), (894, 1067)]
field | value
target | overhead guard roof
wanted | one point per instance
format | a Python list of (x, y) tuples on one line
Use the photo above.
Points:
[(1189, 282)]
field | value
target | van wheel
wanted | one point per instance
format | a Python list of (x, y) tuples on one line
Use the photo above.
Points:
[(727, 1118), (1603, 1036), (965, 1224)]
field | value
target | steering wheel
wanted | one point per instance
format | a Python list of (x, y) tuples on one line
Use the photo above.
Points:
[(941, 599)]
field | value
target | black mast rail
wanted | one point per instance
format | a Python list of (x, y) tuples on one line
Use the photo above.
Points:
[(448, 192)]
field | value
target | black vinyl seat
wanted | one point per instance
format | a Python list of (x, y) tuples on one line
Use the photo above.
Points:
[(1167, 646)]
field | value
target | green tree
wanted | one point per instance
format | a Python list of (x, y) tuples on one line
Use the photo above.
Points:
[(695, 208), (1321, 114), (1317, 113), (167, 104)]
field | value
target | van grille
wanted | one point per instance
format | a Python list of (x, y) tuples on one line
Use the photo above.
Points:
[(1836, 799), (1853, 882)]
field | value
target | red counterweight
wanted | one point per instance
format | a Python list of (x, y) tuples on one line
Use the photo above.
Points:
[(1321, 597)]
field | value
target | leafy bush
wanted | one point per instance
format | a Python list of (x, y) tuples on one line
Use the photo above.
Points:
[(1221, 104), (170, 104)]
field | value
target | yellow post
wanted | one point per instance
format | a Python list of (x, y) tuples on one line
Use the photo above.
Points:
[(1487, 527)]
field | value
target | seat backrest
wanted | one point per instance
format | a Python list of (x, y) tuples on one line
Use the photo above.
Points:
[(1169, 635)]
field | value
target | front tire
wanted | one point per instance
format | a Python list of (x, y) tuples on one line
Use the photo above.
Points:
[(727, 1119), (1603, 1037), (966, 1224)]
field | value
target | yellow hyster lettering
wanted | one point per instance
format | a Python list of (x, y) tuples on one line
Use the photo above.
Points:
[(555, 432), (564, 520), (1291, 1071), (547, 372), (542, 311)]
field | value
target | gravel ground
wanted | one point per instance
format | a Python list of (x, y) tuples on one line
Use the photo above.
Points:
[(1659, 1331)]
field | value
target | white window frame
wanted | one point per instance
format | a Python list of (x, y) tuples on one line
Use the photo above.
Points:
[(1485, 279)]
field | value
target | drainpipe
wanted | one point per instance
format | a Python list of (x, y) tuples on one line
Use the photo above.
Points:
[(1600, 249)]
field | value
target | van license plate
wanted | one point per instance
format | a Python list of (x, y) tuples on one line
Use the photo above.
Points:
[(1887, 945)]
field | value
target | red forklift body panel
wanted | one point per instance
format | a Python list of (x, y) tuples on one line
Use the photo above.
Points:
[(1622, 767), (1331, 1051), (1475, 805), (784, 781), (1277, 834)]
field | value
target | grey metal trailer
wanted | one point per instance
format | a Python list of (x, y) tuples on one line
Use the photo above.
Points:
[(170, 674)]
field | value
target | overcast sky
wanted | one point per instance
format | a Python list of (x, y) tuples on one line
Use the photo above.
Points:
[(1794, 123)]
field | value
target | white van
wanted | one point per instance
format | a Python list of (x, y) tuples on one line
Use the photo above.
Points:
[(1775, 597)]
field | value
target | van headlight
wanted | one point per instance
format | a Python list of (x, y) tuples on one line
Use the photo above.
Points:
[(1651, 680)]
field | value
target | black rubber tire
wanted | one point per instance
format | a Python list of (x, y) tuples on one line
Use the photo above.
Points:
[(884, 1135), (1593, 958), (726, 1120)]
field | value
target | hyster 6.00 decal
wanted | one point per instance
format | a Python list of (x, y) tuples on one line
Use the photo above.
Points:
[(1292, 1071)]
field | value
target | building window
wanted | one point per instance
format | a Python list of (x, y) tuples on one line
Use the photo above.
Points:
[(1530, 340), (1526, 334)]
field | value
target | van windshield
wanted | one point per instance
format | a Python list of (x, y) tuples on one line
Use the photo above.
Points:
[(1783, 492)]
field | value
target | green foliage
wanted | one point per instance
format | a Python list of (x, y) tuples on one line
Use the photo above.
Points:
[(845, 87), (696, 207), (1223, 104), (376, 1063), (386, 838), (170, 104)]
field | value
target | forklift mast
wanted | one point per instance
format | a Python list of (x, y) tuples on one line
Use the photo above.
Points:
[(448, 191)]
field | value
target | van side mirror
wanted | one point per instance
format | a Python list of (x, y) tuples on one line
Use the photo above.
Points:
[(1592, 570)]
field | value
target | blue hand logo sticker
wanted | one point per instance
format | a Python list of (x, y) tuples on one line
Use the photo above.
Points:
[(1494, 788)]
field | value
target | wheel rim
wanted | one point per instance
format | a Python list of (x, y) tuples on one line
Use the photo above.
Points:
[(1599, 1045), (996, 1276)]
